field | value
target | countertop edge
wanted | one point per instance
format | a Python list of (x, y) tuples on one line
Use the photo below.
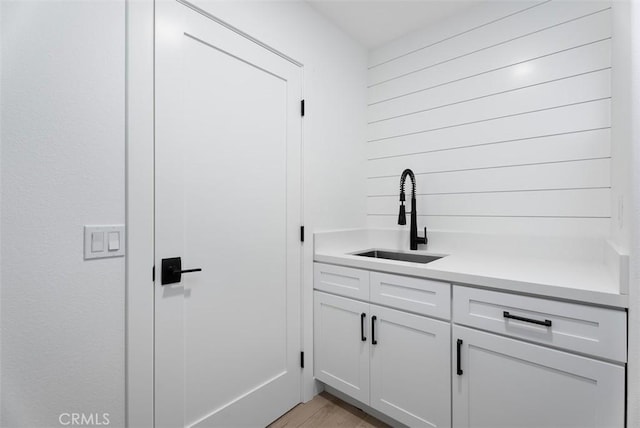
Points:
[(599, 298)]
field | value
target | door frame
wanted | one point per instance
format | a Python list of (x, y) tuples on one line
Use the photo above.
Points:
[(140, 207)]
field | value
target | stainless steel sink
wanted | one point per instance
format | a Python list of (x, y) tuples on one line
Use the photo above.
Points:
[(405, 257)]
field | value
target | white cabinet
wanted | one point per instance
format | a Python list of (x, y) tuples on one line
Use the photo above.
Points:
[(515, 382), (394, 361), (340, 343), (509, 361), (410, 368), (500, 382)]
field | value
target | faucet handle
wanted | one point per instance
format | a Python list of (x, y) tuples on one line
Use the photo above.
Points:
[(423, 239)]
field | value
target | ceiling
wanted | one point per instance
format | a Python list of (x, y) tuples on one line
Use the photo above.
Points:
[(376, 22)]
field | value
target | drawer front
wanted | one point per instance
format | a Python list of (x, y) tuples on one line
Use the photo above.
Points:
[(417, 295), (586, 329), (341, 280)]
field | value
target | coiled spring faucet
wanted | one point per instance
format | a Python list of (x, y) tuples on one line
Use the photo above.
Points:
[(414, 239)]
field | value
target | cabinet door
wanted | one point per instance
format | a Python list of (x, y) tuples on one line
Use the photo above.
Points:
[(341, 355), (509, 383), (410, 368)]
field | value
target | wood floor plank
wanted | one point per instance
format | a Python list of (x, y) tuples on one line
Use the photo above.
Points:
[(327, 411), (299, 414), (332, 416), (375, 423)]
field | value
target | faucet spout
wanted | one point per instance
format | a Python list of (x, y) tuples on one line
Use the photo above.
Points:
[(414, 239)]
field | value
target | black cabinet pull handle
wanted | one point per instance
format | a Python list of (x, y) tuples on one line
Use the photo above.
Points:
[(546, 323), (362, 336), (459, 362), (373, 330)]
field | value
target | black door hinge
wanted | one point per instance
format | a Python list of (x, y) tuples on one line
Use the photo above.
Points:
[(302, 359), (153, 273), (301, 233), (302, 108)]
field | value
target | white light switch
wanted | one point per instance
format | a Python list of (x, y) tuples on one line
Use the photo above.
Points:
[(103, 241), (114, 241), (97, 242)]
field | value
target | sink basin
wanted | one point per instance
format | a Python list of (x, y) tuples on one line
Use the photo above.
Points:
[(405, 257)]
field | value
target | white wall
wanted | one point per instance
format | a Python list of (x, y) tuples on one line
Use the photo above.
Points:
[(62, 113), (621, 121), (633, 366), (503, 112), (1, 413)]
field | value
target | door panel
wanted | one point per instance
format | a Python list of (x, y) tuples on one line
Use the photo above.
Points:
[(341, 356), (227, 201), (410, 368), (511, 384)]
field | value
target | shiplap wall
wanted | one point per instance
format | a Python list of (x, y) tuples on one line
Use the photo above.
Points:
[(503, 113)]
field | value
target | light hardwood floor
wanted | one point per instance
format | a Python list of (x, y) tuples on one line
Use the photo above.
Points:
[(327, 411)]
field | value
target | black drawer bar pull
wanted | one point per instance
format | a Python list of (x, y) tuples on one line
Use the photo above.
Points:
[(458, 361), (546, 323), (362, 336), (373, 330)]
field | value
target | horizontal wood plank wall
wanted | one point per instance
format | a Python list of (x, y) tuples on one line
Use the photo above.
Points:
[(503, 113)]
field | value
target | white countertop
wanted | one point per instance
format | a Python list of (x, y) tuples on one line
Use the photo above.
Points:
[(582, 279)]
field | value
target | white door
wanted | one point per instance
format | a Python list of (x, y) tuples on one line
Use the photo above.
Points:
[(410, 368), (506, 383), (228, 135), (341, 346)]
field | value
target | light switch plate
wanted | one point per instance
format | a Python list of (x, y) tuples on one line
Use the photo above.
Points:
[(107, 231)]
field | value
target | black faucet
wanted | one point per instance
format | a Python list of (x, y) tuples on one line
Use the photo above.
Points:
[(414, 239)]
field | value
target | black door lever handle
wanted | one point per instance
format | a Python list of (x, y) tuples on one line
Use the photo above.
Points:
[(172, 270), (188, 270)]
